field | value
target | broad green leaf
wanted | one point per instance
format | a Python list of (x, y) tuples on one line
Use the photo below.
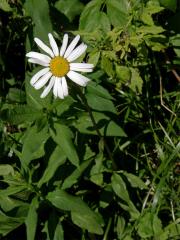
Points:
[(69, 8), (59, 232), (89, 19), (135, 181), (86, 222), (4, 5), (39, 12), (96, 175), (12, 190), (31, 220), (100, 104), (62, 135), (73, 178), (8, 224), (170, 4), (79, 210), (123, 73), (98, 90), (6, 169), (118, 12), (56, 159), (33, 96), (33, 144), (106, 126)]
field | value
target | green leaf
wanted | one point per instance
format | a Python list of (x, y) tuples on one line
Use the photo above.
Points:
[(149, 225), (135, 181), (69, 8), (119, 187), (59, 232), (98, 90), (6, 169), (118, 12), (56, 159), (4, 5), (136, 80), (20, 114), (94, 57), (62, 135), (8, 224), (100, 104), (16, 95), (170, 4), (72, 179), (9, 203), (39, 11), (31, 220), (87, 221), (106, 126), (89, 19), (107, 66), (81, 214), (33, 146)]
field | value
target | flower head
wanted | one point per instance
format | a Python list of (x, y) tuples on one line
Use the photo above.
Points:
[(58, 65)]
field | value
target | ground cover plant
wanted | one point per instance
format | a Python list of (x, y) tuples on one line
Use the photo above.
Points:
[(99, 161)]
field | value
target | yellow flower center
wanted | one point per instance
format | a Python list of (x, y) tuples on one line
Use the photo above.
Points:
[(59, 66)]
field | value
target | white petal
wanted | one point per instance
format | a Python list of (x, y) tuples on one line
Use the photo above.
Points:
[(39, 74), (64, 86), (39, 56), (72, 46), (48, 88), (77, 52), (37, 61), (55, 88), (42, 81), (78, 78), (53, 44), (60, 89), (82, 65), (64, 45), (44, 47), (81, 69)]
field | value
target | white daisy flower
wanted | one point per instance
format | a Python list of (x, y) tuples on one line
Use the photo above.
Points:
[(59, 64)]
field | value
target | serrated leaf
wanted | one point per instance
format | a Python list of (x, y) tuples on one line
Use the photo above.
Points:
[(69, 8), (56, 159), (39, 12), (62, 135), (20, 114), (79, 209), (107, 66), (31, 220), (118, 12), (16, 95)]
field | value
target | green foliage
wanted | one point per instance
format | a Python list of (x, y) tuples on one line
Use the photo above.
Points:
[(103, 163)]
